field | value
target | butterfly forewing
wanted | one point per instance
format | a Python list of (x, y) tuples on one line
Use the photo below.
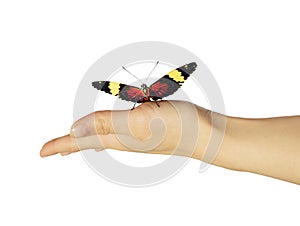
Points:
[(172, 81), (125, 92)]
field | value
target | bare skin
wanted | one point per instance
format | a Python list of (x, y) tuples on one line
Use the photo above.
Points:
[(269, 146)]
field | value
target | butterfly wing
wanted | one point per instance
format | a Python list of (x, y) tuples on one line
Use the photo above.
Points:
[(172, 81), (125, 92)]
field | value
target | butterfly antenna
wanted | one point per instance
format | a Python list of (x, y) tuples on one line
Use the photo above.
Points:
[(151, 71), (132, 74)]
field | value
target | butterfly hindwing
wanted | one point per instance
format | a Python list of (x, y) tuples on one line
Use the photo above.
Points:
[(131, 93), (172, 81), (125, 92)]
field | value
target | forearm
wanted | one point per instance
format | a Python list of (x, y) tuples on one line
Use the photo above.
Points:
[(269, 147)]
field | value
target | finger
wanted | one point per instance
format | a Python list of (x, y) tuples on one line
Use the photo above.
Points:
[(110, 122), (67, 144), (64, 144)]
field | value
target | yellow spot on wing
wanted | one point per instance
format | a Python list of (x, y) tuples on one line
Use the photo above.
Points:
[(176, 76), (114, 88)]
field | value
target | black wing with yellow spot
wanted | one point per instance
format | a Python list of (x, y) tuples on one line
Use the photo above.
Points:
[(125, 92), (172, 81)]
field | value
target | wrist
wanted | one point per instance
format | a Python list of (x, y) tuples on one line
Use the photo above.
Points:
[(219, 140), (204, 133)]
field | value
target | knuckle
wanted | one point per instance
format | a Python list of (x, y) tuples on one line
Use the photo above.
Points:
[(102, 123), (74, 146)]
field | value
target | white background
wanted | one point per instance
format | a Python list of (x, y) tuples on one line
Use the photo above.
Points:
[(251, 47)]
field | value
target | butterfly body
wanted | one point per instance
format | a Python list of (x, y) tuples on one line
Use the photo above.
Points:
[(163, 87), (146, 98)]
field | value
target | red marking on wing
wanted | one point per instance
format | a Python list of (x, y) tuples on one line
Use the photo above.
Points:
[(135, 93), (131, 93), (163, 88), (159, 88)]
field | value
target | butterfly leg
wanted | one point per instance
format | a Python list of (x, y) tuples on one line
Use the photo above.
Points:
[(133, 106), (155, 99), (156, 103)]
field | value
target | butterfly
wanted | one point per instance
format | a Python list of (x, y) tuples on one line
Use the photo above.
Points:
[(163, 87)]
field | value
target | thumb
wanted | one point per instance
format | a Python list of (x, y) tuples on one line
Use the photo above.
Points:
[(99, 122), (125, 122)]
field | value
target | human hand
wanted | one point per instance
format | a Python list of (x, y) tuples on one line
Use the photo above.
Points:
[(182, 128), (176, 127)]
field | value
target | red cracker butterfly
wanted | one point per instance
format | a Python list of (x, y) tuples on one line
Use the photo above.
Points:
[(163, 87)]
